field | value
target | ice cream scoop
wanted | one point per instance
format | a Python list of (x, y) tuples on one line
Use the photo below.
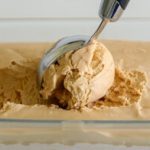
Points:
[(79, 77), (110, 11)]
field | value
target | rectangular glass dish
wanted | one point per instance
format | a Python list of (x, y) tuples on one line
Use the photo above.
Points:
[(116, 133), (18, 29), (71, 132)]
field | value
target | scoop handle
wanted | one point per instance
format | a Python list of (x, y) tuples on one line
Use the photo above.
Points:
[(123, 3), (112, 9)]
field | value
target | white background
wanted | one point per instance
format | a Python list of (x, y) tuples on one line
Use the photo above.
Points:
[(49, 20)]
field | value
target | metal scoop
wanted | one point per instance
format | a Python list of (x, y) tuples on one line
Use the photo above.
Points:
[(110, 11)]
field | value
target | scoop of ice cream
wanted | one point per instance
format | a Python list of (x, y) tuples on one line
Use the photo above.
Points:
[(79, 77)]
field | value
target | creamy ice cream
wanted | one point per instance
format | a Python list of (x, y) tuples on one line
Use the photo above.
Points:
[(126, 89), (79, 77), (20, 96)]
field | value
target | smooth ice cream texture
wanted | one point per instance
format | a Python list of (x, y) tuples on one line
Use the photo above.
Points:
[(80, 77), (86, 79)]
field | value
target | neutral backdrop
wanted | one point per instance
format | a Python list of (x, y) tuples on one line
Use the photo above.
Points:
[(49, 20)]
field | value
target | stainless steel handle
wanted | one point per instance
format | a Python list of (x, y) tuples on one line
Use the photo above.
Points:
[(112, 9)]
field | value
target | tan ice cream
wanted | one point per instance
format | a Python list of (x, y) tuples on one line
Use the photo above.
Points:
[(80, 77), (126, 98)]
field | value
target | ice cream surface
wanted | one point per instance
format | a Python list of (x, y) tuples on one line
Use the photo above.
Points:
[(80, 77), (86, 78)]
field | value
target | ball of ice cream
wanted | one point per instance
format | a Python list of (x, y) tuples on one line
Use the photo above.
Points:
[(79, 77)]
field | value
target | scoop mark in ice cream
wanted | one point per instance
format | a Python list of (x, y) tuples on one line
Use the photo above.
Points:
[(127, 89)]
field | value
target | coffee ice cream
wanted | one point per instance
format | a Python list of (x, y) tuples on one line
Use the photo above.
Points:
[(85, 81), (80, 77)]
